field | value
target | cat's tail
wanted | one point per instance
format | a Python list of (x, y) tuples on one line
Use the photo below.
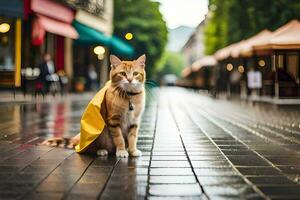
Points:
[(62, 142)]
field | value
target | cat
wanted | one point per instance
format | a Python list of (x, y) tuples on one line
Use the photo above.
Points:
[(121, 109)]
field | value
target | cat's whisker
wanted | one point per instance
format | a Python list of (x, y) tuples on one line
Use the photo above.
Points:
[(116, 88), (114, 99), (149, 85)]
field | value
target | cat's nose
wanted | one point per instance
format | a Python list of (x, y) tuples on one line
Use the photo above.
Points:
[(129, 80)]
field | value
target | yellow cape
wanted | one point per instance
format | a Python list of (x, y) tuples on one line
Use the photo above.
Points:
[(92, 123)]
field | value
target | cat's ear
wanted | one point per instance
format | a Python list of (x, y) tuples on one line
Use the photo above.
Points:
[(114, 61), (141, 61)]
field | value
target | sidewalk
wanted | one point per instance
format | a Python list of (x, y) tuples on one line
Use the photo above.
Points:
[(8, 97), (193, 147)]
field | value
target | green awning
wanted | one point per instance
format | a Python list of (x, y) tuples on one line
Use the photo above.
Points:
[(89, 35), (120, 47)]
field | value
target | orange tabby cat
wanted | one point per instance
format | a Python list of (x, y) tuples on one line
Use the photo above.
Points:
[(122, 109)]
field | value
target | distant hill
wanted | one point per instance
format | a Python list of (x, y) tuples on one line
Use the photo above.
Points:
[(178, 37)]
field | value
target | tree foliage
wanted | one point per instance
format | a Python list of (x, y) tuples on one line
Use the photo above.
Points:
[(233, 20), (143, 19), (171, 63)]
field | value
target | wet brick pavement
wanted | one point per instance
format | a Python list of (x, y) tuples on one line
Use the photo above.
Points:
[(194, 147)]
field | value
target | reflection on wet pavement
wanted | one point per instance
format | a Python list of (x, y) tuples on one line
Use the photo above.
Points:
[(194, 147), (28, 122)]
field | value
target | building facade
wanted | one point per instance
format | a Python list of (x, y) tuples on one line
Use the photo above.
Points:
[(77, 34), (12, 14), (193, 49)]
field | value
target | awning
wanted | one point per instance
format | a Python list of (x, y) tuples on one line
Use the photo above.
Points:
[(53, 10), (42, 24), (206, 61), (186, 72), (285, 37), (119, 47), (247, 49), (244, 47), (225, 52), (235, 51), (91, 36), (51, 17)]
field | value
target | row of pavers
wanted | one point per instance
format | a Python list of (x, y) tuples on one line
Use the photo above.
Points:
[(30, 171), (235, 151), (187, 154)]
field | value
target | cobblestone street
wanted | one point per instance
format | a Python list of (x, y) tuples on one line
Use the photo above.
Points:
[(194, 147)]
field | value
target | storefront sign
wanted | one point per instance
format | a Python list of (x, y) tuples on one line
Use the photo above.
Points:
[(254, 79)]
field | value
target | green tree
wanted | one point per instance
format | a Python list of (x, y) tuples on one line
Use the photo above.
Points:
[(143, 19), (171, 63), (216, 28), (233, 20)]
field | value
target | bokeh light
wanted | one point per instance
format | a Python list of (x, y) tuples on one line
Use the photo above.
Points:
[(128, 36), (4, 27), (99, 50), (229, 67)]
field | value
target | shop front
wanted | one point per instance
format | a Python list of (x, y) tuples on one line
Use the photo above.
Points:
[(93, 47), (204, 68), (47, 30), (284, 48), (200, 75), (227, 78), (50, 29), (11, 14), (261, 64)]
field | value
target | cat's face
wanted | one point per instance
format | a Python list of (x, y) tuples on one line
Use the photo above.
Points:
[(128, 75)]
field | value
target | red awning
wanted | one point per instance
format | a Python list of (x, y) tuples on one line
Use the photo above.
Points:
[(58, 28), (52, 17), (43, 24), (53, 10)]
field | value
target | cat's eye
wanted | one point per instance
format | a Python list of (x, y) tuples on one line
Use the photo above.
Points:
[(135, 73), (123, 73)]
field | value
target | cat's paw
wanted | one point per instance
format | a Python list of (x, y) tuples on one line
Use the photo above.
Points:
[(122, 154), (136, 153), (102, 152)]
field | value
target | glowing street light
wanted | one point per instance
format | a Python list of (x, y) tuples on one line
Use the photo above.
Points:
[(128, 36), (261, 63), (100, 56), (99, 50), (241, 69), (4, 27), (229, 67)]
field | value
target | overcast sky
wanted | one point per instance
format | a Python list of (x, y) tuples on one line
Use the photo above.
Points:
[(183, 12)]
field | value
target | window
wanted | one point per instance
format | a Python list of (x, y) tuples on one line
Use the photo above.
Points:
[(7, 44), (280, 61), (292, 65)]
